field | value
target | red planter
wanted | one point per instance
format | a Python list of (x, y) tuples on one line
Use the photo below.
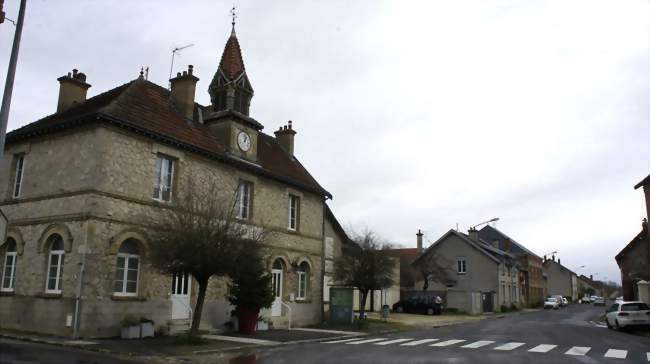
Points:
[(247, 320)]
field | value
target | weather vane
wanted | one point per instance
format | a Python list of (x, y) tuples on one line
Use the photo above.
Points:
[(233, 13)]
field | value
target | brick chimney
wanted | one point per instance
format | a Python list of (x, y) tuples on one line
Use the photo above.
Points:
[(183, 88), (284, 136), (591, 277), (419, 240), (72, 90)]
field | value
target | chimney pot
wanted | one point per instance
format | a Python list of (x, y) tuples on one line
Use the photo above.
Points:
[(183, 90), (473, 235), (591, 277), (285, 136), (419, 240), (72, 90)]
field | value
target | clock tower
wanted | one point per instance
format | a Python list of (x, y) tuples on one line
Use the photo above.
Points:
[(231, 93)]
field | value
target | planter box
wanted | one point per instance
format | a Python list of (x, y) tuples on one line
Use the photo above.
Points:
[(262, 326), (146, 329), (131, 332)]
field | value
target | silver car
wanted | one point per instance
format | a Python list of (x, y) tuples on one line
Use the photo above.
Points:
[(626, 314)]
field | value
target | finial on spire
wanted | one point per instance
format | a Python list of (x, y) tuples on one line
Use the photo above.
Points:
[(141, 72), (233, 13)]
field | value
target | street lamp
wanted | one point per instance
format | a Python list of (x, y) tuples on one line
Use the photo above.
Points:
[(485, 222)]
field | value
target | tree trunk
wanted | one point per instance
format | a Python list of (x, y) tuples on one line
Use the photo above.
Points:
[(198, 308), (362, 304)]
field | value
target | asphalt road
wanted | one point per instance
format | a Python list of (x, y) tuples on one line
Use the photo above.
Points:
[(562, 336), (20, 352)]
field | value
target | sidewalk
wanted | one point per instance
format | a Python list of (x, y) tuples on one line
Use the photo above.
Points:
[(422, 321)]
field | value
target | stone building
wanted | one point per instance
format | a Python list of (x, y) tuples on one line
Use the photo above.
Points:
[(76, 184), (482, 278), (533, 288), (634, 259)]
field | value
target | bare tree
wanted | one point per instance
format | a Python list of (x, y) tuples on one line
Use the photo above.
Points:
[(367, 268), (200, 235), (433, 267)]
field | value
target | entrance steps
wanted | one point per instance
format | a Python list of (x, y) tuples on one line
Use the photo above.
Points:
[(279, 322), (176, 327)]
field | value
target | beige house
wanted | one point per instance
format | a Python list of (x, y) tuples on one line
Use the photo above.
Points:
[(481, 277), (79, 186), (560, 280)]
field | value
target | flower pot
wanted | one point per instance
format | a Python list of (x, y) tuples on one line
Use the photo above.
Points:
[(146, 329), (131, 332), (262, 326), (247, 320)]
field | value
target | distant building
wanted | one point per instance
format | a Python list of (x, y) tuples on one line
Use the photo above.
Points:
[(560, 279), (533, 288), (587, 286), (634, 259)]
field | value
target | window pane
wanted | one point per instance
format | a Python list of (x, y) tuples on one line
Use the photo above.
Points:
[(6, 283), (131, 287), (185, 282), (133, 263), (156, 178), (54, 260), (61, 263), (132, 275), (119, 274), (51, 283), (119, 286)]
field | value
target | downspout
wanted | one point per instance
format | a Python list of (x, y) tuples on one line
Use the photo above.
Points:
[(82, 267), (322, 264)]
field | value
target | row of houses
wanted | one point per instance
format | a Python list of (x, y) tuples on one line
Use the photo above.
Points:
[(486, 271)]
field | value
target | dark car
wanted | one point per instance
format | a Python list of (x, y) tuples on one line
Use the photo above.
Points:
[(426, 306)]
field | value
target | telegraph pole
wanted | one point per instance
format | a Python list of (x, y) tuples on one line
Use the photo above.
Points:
[(11, 72)]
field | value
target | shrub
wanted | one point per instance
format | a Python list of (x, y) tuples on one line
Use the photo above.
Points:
[(130, 320)]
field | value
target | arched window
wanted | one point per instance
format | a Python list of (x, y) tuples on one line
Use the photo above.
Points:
[(127, 269), (9, 268), (55, 264), (303, 275)]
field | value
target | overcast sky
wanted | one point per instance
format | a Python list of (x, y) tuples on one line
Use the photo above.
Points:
[(412, 114)]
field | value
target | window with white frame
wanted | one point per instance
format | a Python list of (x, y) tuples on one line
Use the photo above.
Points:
[(461, 265), (127, 270), (18, 174), (55, 264), (294, 211), (244, 199), (9, 267), (164, 175), (303, 273)]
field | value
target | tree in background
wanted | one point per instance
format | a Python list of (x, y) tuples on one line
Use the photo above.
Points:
[(433, 267), (367, 268), (200, 235)]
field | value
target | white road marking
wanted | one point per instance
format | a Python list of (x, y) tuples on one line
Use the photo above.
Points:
[(544, 348), (478, 344), (419, 342), (393, 341), (340, 341), (448, 343), (509, 346), (366, 341), (614, 353), (578, 350)]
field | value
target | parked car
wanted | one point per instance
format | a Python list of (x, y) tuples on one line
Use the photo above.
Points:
[(593, 298), (419, 305), (627, 314), (599, 301), (551, 302), (565, 302), (585, 299)]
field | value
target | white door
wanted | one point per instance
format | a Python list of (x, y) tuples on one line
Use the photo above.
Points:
[(180, 297), (276, 308)]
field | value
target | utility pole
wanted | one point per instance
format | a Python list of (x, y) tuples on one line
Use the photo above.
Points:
[(11, 72)]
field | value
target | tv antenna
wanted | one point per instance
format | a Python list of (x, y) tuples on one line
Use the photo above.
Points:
[(174, 51)]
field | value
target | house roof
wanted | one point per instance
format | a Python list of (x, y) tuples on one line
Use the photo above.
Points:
[(145, 108), (337, 226), (489, 234), (638, 239), (549, 261), (644, 182), (232, 63), (490, 251)]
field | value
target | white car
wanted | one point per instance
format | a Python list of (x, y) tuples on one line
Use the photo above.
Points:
[(625, 314), (551, 302)]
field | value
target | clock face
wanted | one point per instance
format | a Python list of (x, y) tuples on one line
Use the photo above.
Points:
[(244, 141)]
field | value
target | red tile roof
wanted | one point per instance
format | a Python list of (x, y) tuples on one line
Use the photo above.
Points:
[(145, 108), (232, 63)]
